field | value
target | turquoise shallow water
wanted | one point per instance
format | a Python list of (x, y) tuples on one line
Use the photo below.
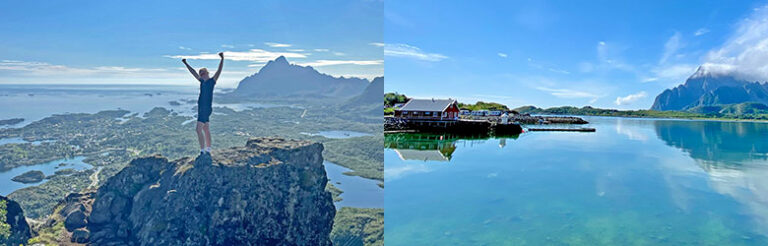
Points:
[(633, 182)]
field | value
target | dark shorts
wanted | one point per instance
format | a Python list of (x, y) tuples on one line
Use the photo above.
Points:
[(204, 114)]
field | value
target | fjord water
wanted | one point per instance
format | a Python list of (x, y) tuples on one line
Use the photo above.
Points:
[(632, 182)]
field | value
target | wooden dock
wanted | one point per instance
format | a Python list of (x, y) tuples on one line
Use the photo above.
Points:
[(561, 129)]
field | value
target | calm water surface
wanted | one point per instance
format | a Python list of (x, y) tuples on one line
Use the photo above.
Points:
[(358, 192), (633, 182), (338, 134), (7, 186)]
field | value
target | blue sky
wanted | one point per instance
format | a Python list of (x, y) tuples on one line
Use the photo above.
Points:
[(139, 42), (612, 54)]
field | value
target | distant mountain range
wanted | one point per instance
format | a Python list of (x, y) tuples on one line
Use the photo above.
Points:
[(371, 95), (280, 79), (707, 92)]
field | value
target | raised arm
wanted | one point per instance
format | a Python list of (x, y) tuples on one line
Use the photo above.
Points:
[(221, 65), (191, 70)]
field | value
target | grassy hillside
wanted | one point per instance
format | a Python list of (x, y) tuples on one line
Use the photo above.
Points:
[(358, 227), (484, 106)]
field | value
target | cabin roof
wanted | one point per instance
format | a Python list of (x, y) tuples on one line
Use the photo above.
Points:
[(427, 104), (421, 155)]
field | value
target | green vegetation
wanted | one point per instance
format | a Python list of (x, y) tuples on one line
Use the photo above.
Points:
[(480, 105), (5, 228), (392, 98), (728, 112), (358, 226), (389, 111), (335, 192), (51, 235)]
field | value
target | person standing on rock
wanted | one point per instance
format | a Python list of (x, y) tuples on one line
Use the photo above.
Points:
[(205, 103)]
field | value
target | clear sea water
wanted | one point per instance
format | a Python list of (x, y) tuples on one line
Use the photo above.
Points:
[(338, 134), (633, 182)]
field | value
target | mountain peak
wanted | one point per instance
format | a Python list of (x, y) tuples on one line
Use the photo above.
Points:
[(278, 78), (712, 85), (281, 59), (713, 70)]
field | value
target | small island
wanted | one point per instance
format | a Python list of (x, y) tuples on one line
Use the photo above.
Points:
[(30, 177), (12, 121)]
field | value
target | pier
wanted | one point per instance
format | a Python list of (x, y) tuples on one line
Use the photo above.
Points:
[(561, 129)]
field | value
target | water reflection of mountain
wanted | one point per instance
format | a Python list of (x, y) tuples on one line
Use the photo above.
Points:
[(716, 144), (734, 156), (429, 146)]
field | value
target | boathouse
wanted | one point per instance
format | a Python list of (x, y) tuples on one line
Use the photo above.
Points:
[(429, 109)]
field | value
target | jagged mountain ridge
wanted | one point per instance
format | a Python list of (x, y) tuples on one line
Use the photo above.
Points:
[(270, 192), (371, 95), (280, 79), (705, 88)]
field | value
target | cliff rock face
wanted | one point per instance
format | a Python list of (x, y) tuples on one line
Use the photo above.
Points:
[(14, 229), (704, 88), (270, 192)]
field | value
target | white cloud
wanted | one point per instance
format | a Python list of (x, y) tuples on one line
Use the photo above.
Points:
[(631, 98), (42, 70), (569, 94), (320, 63), (295, 50), (377, 44), (670, 47), (321, 50), (701, 31), (253, 55), (502, 55), (407, 51), (339, 54), (277, 45), (228, 46), (184, 48), (46, 69), (674, 72), (746, 51)]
